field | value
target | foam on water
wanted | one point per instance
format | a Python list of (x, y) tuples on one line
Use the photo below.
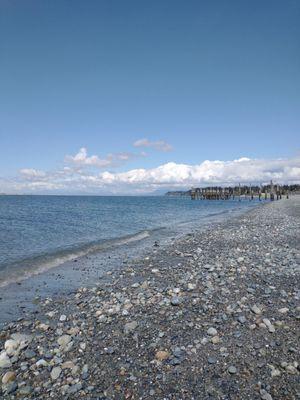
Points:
[(44, 263)]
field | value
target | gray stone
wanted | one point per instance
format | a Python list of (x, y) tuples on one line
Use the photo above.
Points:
[(75, 388), (56, 371), (4, 360), (212, 331), (10, 387), (25, 390), (256, 310), (64, 340), (212, 360), (232, 369), (175, 301), (130, 327), (265, 395), (29, 354), (242, 319)]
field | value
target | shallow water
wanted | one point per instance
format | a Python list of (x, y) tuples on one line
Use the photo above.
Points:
[(40, 232)]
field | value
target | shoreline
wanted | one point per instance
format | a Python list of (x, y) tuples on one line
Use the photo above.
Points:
[(22, 295), (213, 314)]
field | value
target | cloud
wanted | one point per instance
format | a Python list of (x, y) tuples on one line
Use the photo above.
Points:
[(82, 159), (243, 170), (111, 160), (159, 145), (31, 173), (169, 175)]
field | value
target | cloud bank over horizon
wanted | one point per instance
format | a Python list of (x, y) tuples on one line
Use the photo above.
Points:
[(81, 175)]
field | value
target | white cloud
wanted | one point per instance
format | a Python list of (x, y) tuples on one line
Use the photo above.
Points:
[(243, 170), (160, 145), (111, 160), (31, 173), (169, 175), (82, 159)]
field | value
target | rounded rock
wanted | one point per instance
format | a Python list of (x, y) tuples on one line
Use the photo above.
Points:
[(212, 331), (232, 369), (9, 376)]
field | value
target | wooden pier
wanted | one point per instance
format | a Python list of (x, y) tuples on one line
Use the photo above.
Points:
[(266, 192)]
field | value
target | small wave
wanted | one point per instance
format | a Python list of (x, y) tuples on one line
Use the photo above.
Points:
[(44, 263)]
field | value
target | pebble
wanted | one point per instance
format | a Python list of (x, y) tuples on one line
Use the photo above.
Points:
[(55, 373), (256, 310), (9, 376), (41, 363), (268, 324), (25, 390), (283, 310), (130, 327), (11, 347), (64, 340), (162, 355), (274, 371), (4, 360), (212, 360), (74, 388), (264, 395), (215, 339), (232, 369), (242, 319), (11, 387), (29, 354), (212, 331), (175, 301)]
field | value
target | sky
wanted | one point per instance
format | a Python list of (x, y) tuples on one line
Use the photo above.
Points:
[(136, 96)]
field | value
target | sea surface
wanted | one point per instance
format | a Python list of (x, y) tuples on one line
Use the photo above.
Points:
[(40, 232)]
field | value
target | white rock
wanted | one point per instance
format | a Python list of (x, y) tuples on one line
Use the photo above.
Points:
[(51, 314), (130, 326), (4, 360), (256, 310), (64, 340), (41, 363), (63, 318), (22, 338), (274, 371), (11, 346), (212, 331), (291, 369), (268, 324), (44, 327), (264, 395), (56, 371), (191, 286), (17, 342), (82, 345), (283, 310)]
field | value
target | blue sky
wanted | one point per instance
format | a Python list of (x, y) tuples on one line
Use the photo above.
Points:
[(216, 80)]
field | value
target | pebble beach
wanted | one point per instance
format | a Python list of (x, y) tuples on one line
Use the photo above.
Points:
[(213, 315)]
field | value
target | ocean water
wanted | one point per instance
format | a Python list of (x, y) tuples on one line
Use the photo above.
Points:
[(41, 232)]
